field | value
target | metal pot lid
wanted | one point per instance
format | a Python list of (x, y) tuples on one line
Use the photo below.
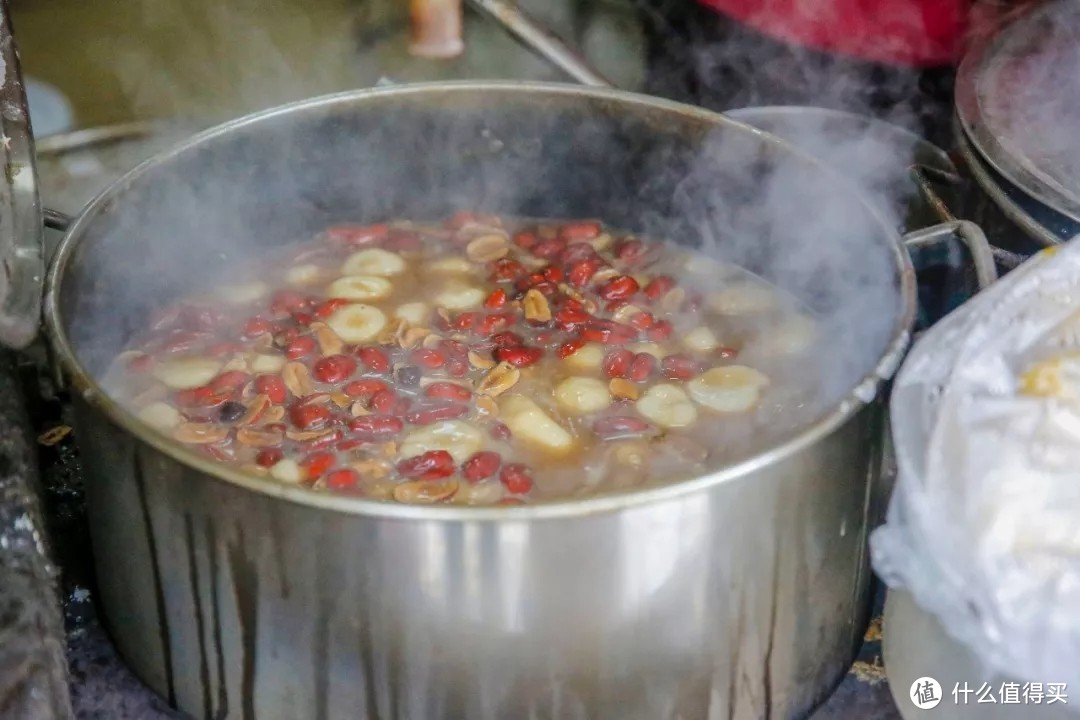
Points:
[(1018, 99), (21, 230)]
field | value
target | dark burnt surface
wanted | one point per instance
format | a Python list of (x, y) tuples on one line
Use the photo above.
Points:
[(31, 636), (102, 686)]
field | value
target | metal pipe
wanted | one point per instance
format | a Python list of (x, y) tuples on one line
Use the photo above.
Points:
[(540, 40), (436, 30)]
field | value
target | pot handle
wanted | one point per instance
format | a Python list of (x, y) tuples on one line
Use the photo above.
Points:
[(56, 220), (982, 256), (924, 177)]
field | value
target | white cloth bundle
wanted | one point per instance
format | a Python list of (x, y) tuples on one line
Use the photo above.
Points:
[(983, 527)]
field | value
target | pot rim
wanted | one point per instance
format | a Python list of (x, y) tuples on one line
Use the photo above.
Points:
[(861, 394)]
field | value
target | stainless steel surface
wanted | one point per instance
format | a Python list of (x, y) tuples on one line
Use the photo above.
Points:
[(1039, 223), (90, 137), (1018, 99), (21, 233), (541, 41), (916, 645), (740, 594)]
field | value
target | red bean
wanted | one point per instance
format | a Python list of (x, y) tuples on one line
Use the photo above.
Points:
[(287, 302), (519, 356), (376, 427), (268, 457), (438, 413), (491, 323), (642, 320), (570, 347), (350, 445), (642, 367), (333, 368), (679, 367), (286, 336), (448, 391), (403, 241), (343, 479), (616, 363), (303, 318), (300, 347), (357, 235), (431, 359), (525, 239), (324, 441), (660, 331), (579, 231), (608, 332), (496, 299), (583, 270), (507, 339), (227, 381), (620, 425), (454, 349), (569, 318), (364, 388), (725, 353), (457, 367), (200, 397), (547, 249), (384, 401), (317, 464), (273, 387), (547, 289), (618, 288), (481, 465), (553, 274), (329, 307), (515, 478), (466, 320), (506, 269), (256, 326), (374, 359), (658, 287), (576, 252), (499, 431), (432, 465), (629, 250), (309, 416)]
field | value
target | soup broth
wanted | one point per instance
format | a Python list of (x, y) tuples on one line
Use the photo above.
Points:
[(479, 361)]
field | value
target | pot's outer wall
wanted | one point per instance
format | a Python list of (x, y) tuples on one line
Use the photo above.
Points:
[(746, 601), (744, 598)]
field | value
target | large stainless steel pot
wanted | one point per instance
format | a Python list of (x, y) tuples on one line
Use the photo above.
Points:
[(740, 594)]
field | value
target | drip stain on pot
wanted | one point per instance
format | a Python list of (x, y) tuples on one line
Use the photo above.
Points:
[(159, 590), (219, 653), (277, 536), (325, 606), (200, 621), (773, 609), (245, 579), (365, 652)]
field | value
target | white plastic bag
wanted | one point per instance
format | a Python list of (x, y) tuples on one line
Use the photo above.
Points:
[(983, 528)]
